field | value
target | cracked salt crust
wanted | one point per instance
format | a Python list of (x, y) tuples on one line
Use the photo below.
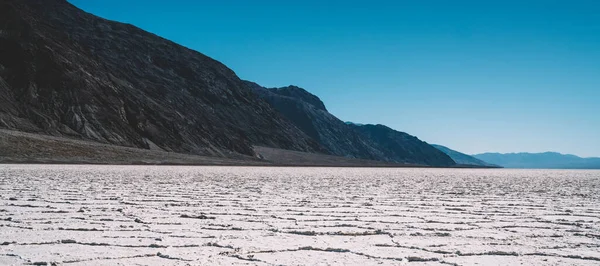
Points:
[(124, 215)]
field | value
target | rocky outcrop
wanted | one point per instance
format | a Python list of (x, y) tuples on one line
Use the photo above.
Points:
[(65, 72), (347, 139)]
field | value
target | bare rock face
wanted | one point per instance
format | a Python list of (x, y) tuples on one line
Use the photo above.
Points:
[(369, 142), (65, 72)]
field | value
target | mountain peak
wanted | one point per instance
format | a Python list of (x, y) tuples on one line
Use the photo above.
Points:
[(301, 94), (292, 92), (355, 124)]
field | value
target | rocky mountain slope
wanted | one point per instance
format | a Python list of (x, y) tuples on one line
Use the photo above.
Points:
[(309, 114), (461, 158), (407, 148), (74, 76), (314, 120), (546, 160), (65, 72)]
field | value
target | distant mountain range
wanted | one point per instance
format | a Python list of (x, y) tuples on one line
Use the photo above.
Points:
[(463, 159), (547, 160)]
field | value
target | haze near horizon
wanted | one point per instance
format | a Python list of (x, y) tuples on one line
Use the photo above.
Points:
[(476, 77)]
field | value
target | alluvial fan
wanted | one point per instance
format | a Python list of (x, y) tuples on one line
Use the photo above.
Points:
[(127, 215)]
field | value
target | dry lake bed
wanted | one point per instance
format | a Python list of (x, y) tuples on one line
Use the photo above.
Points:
[(162, 215)]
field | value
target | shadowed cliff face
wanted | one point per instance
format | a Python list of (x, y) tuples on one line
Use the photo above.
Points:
[(67, 72), (309, 114)]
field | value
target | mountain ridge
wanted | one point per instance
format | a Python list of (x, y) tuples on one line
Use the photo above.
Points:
[(462, 158), (66, 72), (326, 129), (401, 145), (348, 139)]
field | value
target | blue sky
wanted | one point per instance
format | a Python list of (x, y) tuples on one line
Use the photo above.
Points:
[(476, 76)]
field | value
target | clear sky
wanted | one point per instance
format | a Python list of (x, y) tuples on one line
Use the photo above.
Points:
[(476, 76)]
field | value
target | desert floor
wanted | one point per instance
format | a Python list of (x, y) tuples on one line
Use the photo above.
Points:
[(177, 215)]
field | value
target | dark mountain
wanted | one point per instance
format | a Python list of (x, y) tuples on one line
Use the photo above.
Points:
[(65, 72), (461, 158), (547, 160), (409, 149), (309, 114), (314, 120)]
